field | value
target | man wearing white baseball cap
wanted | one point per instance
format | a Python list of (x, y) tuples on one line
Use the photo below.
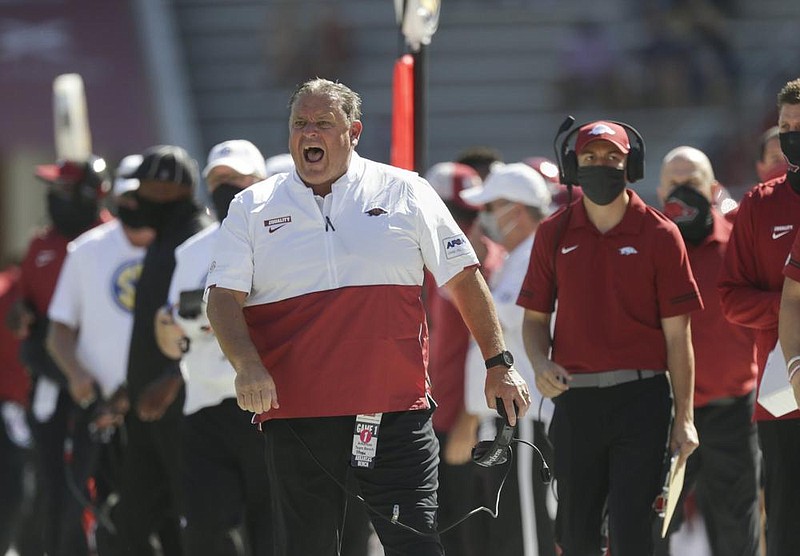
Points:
[(239, 155), (515, 198), (232, 166), (225, 479)]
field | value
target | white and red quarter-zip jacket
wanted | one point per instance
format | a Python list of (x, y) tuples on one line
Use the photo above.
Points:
[(334, 285)]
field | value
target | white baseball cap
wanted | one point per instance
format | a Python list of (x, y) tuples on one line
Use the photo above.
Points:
[(240, 155), (515, 182), (279, 164), (127, 166)]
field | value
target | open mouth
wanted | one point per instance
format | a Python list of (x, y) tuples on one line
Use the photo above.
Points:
[(313, 154)]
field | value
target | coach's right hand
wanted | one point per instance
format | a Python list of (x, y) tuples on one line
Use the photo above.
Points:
[(255, 389)]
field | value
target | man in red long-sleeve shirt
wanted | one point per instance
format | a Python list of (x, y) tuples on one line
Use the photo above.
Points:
[(750, 286)]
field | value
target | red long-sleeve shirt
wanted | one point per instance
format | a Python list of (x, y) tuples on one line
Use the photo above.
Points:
[(725, 365), (751, 279)]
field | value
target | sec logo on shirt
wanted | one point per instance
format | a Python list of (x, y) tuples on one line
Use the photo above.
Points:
[(123, 284)]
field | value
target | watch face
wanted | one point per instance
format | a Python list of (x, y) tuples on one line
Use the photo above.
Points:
[(508, 358)]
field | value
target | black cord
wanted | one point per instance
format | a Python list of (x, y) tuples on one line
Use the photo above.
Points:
[(544, 471), (394, 520), (101, 513), (553, 481)]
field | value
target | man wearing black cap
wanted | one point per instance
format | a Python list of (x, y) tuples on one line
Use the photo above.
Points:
[(74, 190), (150, 493)]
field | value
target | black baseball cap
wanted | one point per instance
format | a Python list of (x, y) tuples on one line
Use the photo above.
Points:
[(167, 163)]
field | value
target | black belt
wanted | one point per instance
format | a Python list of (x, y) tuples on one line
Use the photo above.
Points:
[(606, 379)]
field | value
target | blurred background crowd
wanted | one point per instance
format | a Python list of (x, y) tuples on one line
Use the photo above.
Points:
[(502, 73)]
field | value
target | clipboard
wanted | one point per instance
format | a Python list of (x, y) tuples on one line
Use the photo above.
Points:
[(667, 501)]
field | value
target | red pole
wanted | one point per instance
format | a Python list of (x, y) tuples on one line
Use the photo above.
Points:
[(402, 154)]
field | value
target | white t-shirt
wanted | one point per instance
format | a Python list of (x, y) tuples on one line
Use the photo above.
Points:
[(95, 295), (208, 374), (505, 285)]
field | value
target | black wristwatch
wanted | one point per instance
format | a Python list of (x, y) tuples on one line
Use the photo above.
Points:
[(503, 358)]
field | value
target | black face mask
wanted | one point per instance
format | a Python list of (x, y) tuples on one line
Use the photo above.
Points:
[(132, 218), (601, 184), (790, 145), (71, 216), (157, 215), (222, 197), (691, 211)]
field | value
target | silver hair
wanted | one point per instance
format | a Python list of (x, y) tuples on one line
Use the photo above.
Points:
[(349, 101)]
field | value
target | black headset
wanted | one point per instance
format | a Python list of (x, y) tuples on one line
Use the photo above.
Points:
[(567, 158), (488, 453)]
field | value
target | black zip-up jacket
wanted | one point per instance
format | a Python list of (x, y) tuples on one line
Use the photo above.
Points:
[(146, 362)]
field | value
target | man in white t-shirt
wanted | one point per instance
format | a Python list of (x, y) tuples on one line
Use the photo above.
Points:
[(514, 199), (224, 481), (90, 327)]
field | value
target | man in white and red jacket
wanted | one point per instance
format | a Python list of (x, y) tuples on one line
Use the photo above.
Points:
[(315, 293)]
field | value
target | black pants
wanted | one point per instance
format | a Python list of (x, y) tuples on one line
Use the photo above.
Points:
[(309, 507), (780, 446), (725, 473), (62, 532), (226, 492), (609, 448), (150, 487)]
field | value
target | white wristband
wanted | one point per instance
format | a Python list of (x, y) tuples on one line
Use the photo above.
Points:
[(792, 361)]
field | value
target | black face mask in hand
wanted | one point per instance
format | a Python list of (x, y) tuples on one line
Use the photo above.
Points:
[(222, 197), (790, 145), (601, 184), (691, 211)]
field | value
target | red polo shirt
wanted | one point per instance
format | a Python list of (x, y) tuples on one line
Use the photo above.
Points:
[(724, 353), (613, 288), (751, 280), (42, 265), (40, 268)]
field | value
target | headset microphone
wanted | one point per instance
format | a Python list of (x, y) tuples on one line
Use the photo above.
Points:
[(568, 122), (567, 158), (489, 453)]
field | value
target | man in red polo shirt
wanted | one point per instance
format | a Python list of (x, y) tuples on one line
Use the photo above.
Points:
[(74, 193), (750, 285), (624, 286), (725, 468)]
